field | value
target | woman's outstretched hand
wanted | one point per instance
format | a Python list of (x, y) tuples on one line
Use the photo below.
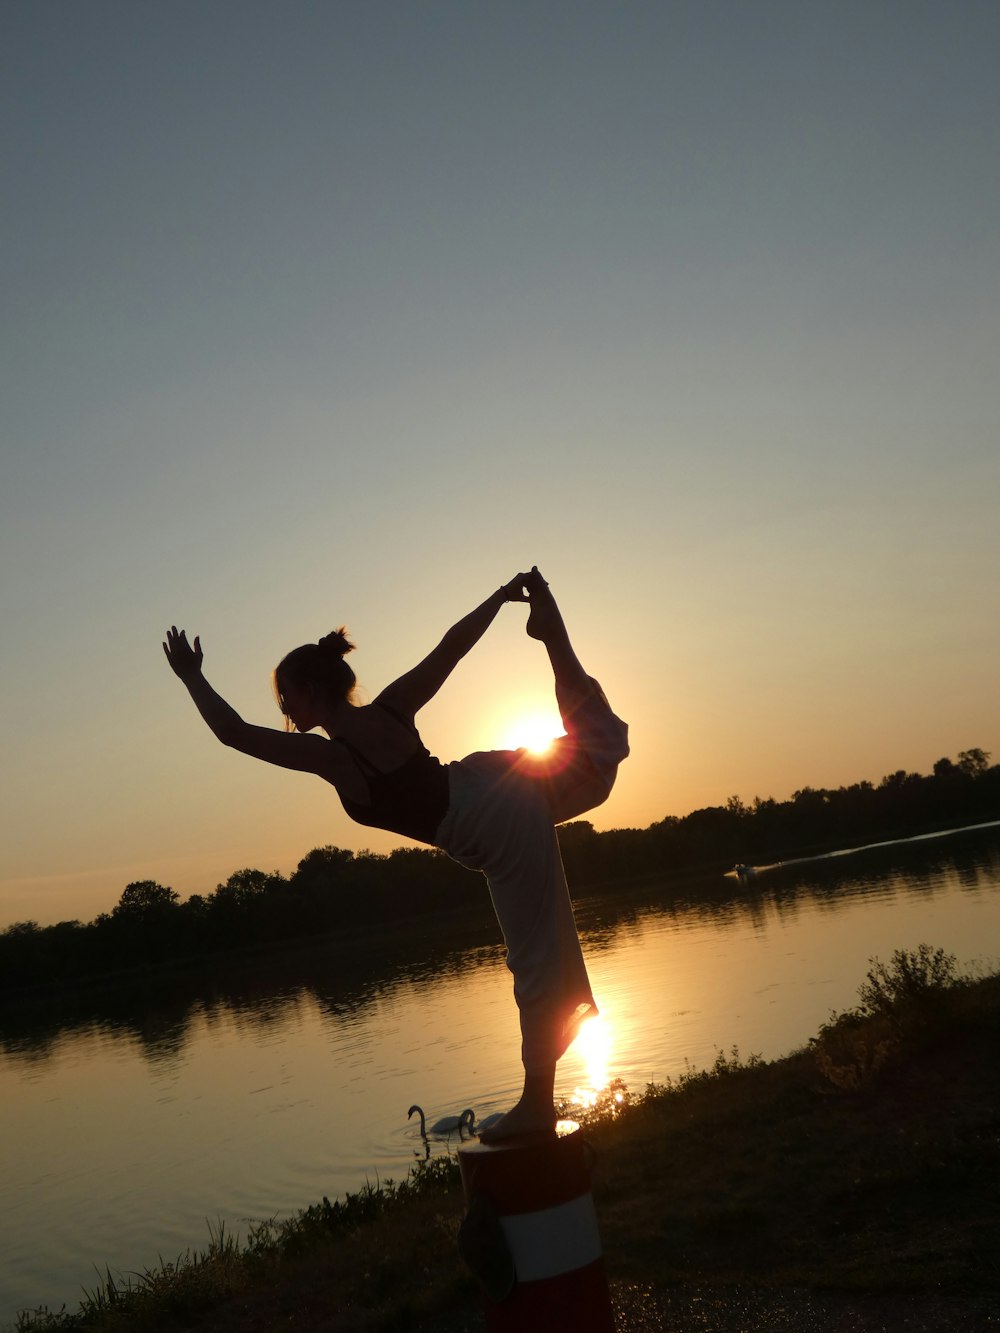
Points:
[(514, 591), (184, 660)]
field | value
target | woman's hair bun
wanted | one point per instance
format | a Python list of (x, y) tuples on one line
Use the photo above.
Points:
[(336, 643)]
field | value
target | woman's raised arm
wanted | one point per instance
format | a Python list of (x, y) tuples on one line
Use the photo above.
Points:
[(306, 754), (417, 687)]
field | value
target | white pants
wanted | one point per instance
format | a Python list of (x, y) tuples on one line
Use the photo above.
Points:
[(502, 812)]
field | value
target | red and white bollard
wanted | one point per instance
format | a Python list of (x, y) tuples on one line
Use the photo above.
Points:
[(529, 1202)]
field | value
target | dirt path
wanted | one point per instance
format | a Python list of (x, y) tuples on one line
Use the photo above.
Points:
[(641, 1309)]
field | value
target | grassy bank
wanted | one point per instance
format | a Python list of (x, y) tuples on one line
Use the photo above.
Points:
[(863, 1169)]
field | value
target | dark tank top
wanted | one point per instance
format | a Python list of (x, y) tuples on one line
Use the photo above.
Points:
[(411, 799)]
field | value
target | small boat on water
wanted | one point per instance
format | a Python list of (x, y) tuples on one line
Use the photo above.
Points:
[(744, 872)]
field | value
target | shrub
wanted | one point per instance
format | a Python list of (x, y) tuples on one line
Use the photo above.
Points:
[(902, 1001), (911, 977), (851, 1050)]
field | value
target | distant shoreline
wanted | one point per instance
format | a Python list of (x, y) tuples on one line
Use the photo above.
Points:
[(465, 919)]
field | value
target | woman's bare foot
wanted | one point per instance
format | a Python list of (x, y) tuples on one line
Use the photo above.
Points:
[(544, 619), (522, 1121), (533, 1116)]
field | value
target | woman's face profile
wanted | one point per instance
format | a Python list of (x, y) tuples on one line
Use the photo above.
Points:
[(300, 709)]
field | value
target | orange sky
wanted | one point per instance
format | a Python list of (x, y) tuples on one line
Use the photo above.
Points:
[(696, 307)]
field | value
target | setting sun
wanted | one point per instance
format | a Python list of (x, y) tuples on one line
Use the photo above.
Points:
[(532, 731)]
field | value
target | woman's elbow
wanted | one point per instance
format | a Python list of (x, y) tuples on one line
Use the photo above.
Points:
[(232, 736)]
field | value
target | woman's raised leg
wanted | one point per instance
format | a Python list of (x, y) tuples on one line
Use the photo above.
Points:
[(580, 770), (546, 624)]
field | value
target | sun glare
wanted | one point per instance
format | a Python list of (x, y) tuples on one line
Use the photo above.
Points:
[(532, 731)]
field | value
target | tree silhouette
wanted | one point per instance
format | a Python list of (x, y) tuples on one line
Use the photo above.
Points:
[(973, 763), (144, 898)]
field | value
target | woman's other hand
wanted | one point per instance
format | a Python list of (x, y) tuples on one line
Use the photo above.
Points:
[(514, 591), (184, 660)]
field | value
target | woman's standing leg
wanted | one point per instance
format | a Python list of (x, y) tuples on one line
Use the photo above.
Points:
[(500, 824), (531, 898)]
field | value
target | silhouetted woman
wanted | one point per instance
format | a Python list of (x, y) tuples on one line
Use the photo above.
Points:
[(493, 811)]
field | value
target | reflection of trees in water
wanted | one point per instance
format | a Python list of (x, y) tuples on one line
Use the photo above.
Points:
[(264, 988), (159, 1030), (253, 992)]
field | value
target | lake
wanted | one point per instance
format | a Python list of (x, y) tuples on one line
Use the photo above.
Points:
[(129, 1127)]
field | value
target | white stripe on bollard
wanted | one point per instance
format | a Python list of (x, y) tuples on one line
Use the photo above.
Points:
[(552, 1241)]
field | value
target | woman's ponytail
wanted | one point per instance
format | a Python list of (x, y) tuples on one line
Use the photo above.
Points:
[(336, 643)]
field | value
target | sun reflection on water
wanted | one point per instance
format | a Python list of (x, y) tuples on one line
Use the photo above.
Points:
[(594, 1043)]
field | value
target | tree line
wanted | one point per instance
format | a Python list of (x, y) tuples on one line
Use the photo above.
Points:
[(333, 890)]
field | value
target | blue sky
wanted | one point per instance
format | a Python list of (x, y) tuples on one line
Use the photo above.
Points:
[(318, 313)]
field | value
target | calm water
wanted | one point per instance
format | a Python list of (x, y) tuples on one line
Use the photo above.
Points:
[(123, 1138)]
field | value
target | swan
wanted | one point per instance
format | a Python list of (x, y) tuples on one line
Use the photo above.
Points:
[(446, 1125), (466, 1120), (487, 1122)]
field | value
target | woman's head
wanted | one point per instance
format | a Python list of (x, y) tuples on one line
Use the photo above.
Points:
[(315, 673)]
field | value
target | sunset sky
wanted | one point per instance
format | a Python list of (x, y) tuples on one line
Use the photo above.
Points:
[(322, 313)]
